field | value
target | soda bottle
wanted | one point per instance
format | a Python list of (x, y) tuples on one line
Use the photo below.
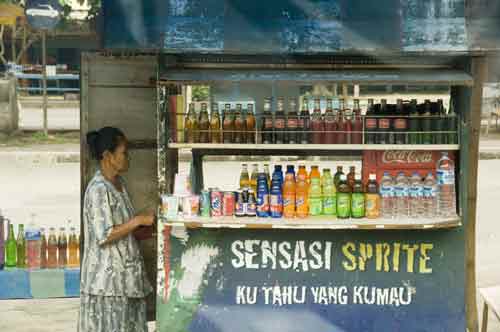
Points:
[(191, 130), (317, 123), (329, 193), (204, 124), (414, 123), (73, 249), (2, 242), (370, 124), (341, 123), (43, 249), (290, 169), (250, 124), (244, 178), (302, 193), (348, 125), (33, 245), (215, 125), (303, 173), (439, 123), (228, 125), (268, 176), (276, 199), (400, 123), (240, 204), (416, 196), (430, 196), (62, 248), (280, 122), (262, 196), (21, 247), (52, 249), (357, 125), (372, 198), (278, 175), (315, 197), (343, 198), (383, 124), (267, 126), (426, 123), (292, 123), (253, 177), (289, 195), (446, 186), (350, 176), (304, 124), (336, 177), (330, 123), (240, 126), (401, 193), (11, 248), (358, 198), (252, 204), (387, 196), (452, 124)]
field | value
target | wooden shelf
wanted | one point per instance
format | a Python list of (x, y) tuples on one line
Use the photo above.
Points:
[(313, 147), (321, 222)]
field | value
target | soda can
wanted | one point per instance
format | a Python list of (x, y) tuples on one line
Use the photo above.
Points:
[(216, 203), (205, 203), (228, 204), (240, 210)]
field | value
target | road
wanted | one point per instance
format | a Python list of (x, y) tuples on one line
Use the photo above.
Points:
[(51, 191), (60, 118)]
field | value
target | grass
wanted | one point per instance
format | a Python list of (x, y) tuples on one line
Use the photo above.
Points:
[(20, 139)]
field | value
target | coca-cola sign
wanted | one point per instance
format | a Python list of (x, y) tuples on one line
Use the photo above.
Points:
[(406, 157)]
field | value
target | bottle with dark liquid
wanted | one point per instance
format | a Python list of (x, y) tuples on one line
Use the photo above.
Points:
[(228, 125), (215, 125), (452, 125), (426, 124), (240, 127), (336, 177), (350, 176), (370, 124), (62, 248), (348, 125), (204, 124), (250, 124), (341, 124), (292, 122), (317, 123), (43, 249), (267, 123), (357, 125), (439, 124), (279, 122), (52, 249), (414, 123), (330, 123), (400, 123), (304, 127), (191, 131), (383, 124)]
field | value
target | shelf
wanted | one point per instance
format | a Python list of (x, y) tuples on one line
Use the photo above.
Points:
[(322, 222), (312, 147), (445, 77)]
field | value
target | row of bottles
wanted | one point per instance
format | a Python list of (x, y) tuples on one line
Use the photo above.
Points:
[(32, 249), (332, 123)]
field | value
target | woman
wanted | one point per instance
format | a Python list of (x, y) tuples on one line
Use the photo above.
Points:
[(113, 280)]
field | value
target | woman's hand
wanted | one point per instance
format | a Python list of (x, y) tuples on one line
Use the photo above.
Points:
[(147, 220), (146, 227)]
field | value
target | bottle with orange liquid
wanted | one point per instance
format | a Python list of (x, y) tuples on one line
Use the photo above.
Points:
[(62, 246), (52, 249), (302, 193), (73, 249), (43, 249), (289, 190)]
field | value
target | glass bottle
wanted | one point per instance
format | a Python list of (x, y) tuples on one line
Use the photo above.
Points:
[(21, 247), (73, 248), (426, 123), (336, 177), (2, 241), (317, 123), (244, 178), (215, 130), (400, 123), (204, 124), (357, 125), (350, 176), (11, 248), (267, 126), (52, 249), (341, 123), (279, 122), (33, 244), (330, 123), (191, 130), (383, 124), (370, 124), (43, 249), (240, 127), (304, 124), (292, 123), (254, 176), (413, 124), (228, 125), (62, 249), (250, 124)]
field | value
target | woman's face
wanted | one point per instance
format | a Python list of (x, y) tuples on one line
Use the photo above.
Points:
[(120, 158)]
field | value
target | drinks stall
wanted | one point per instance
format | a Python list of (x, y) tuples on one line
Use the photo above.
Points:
[(354, 209)]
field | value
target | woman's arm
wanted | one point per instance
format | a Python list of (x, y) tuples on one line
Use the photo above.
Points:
[(125, 229)]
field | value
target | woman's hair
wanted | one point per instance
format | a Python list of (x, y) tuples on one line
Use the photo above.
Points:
[(104, 139)]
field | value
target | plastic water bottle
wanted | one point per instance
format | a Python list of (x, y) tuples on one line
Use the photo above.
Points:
[(416, 196), (387, 196), (446, 186), (430, 196), (401, 193)]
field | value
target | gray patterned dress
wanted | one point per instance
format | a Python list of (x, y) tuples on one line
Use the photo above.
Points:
[(113, 279)]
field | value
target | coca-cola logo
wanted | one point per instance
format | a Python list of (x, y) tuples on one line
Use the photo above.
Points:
[(292, 123), (400, 124), (268, 123), (279, 123), (384, 123), (406, 157), (371, 123)]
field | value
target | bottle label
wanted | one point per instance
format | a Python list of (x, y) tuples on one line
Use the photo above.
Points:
[(416, 192), (400, 191), (279, 123), (445, 177), (386, 192), (292, 123), (384, 124), (400, 124), (288, 201), (268, 123), (315, 206), (371, 124), (343, 205), (263, 203), (430, 191), (330, 205), (358, 205), (372, 205)]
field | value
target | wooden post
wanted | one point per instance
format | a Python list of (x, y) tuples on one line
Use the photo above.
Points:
[(473, 122), (44, 82), (484, 324)]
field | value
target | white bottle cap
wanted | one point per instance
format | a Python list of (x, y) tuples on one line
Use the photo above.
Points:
[(373, 177)]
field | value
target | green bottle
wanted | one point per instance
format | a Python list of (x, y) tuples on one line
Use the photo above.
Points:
[(336, 177), (358, 199), (452, 124), (21, 247), (343, 198), (329, 194), (315, 201), (413, 123), (11, 248), (426, 124)]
